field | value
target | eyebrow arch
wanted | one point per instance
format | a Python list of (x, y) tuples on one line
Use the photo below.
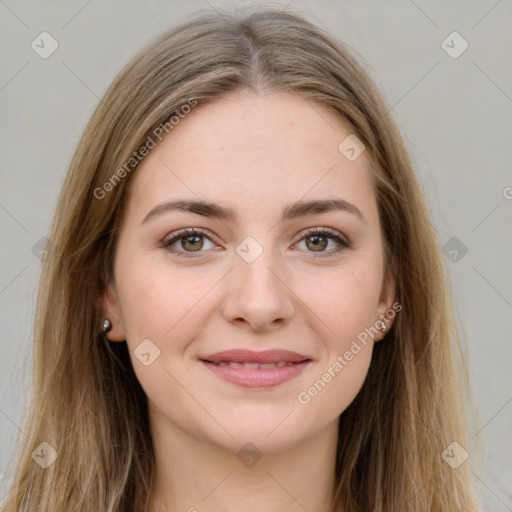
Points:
[(293, 211)]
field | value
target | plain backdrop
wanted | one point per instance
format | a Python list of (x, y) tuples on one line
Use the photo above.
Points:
[(455, 113)]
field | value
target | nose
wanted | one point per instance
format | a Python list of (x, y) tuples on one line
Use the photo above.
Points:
[(258, 294)]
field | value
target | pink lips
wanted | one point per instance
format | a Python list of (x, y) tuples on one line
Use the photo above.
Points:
[(256, 369)]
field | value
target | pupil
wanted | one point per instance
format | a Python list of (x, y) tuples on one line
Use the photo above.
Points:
[(193, 244), (318, 244)]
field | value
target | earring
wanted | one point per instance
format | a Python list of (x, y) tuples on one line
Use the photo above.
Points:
[(383, 326), (107, 325)]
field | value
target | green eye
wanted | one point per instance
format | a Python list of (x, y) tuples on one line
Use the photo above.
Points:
[(193, 240)]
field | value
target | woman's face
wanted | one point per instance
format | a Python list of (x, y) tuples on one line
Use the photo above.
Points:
[(256, 278)]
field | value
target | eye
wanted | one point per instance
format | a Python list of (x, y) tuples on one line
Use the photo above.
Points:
[(191, 242), (317, 240)]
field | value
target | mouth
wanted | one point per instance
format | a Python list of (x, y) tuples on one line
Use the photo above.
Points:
[(263, 366), (256, 369)]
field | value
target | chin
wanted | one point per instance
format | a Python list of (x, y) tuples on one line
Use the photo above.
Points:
[(266, 436)]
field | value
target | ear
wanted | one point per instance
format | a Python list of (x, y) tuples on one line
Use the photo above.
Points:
[(111, 310), (386, 301)]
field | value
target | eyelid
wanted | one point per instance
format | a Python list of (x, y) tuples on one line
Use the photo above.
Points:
[(175, 236), (342, 241), (183, 233), (323, 230), (333, 234)]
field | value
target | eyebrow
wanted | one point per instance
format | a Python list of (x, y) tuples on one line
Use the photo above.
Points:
[(293, 211)]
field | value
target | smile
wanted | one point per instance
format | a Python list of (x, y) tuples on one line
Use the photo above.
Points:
[(264, 366), (257, 375)]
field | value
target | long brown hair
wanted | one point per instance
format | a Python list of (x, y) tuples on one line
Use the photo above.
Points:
[(87, 403)]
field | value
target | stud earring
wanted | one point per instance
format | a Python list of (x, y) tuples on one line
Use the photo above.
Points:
[(107, 325), (383, 326)]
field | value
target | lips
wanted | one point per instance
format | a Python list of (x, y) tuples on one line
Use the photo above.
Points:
[(264, 366), (239, 358), (256, 369)]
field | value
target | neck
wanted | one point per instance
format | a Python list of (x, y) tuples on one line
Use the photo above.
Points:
[(198, 476)]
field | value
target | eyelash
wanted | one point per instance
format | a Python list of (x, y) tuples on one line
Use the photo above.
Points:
[(326, 232)]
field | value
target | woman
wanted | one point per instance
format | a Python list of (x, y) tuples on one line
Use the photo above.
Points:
[(244, 304)]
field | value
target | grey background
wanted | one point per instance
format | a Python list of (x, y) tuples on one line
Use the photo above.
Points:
[(455, 115)]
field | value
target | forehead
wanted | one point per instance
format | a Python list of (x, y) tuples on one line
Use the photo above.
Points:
[(252, 152)]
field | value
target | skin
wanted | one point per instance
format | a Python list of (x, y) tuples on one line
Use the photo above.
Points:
[(255, 154)]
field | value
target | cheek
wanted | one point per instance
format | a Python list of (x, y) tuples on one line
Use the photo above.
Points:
[(163, 304), (344, 377), (166, 308), (344, 302)]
